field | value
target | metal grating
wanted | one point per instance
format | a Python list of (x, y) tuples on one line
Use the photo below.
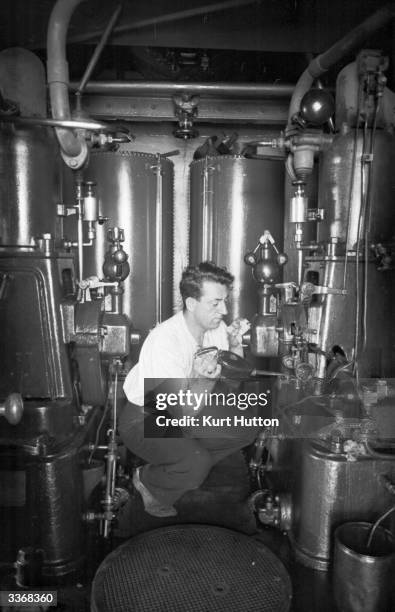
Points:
[(191, 568)]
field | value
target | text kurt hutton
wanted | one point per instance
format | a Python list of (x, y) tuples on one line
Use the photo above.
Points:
[(211, 421)]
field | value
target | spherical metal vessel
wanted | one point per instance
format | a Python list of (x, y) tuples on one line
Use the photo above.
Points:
[(233, 201), (317, 106)]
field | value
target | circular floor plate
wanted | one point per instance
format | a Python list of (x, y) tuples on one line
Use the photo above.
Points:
[(191, 568)]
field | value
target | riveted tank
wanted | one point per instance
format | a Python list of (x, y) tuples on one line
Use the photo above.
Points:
[(135, 192), (233, 200)]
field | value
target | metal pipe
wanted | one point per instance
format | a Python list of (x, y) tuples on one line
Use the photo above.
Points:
[(219, 89), (207, 220), (99, 48), (80, 232), (336, 52), (186, 14), (63, 123), (112, 456), (300, 266), (72, 146), (80, 229), (319, 140), (158, 239), (116, 300), (267, 373)]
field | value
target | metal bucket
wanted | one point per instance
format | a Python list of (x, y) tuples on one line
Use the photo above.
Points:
[(330, 491), (362, 577)]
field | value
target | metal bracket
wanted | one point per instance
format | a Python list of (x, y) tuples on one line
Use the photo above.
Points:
[(309, 289), (315, 214), (185, 109)]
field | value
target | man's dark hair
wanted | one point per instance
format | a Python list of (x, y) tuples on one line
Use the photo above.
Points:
[(193, 277)]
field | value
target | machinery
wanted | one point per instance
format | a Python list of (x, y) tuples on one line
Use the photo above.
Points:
[(64, 339), (322, 323), (63, 343), (88, 241)]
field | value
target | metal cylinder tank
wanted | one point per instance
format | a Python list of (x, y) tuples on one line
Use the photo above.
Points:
[(135, 192), (29, 184), (340, 188), (351, 320), (233, 200), (41, 506), (330, 489), (22, 79)]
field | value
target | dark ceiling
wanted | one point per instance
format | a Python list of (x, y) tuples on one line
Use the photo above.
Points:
[(268, 41)]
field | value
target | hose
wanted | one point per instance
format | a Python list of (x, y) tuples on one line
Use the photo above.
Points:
[(377, 523)]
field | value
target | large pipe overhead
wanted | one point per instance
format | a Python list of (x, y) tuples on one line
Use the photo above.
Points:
[(73, 147), (248, 90), (336, 52)]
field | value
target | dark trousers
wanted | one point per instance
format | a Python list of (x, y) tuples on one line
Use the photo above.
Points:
[(179, 464)]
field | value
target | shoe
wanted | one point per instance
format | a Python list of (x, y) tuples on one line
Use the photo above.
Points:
[(151, 505)]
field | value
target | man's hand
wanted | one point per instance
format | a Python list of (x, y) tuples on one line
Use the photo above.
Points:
[(206, 366), (236, 330)]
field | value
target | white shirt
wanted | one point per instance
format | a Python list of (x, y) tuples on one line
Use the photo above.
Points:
[(168, 352)]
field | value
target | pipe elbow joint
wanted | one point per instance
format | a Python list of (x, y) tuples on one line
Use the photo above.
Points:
[(315, 69), (73, 149)]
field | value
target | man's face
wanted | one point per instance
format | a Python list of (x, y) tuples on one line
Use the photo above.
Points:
[(210, 308)]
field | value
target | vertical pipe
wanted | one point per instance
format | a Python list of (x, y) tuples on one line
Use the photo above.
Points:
[(73, 148), (300, 266), (80, 246), (207, 221), (111, 462), (80, 229), (116, 299), (159, 240)]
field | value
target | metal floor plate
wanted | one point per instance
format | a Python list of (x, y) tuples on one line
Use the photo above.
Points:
[(191, 568)]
